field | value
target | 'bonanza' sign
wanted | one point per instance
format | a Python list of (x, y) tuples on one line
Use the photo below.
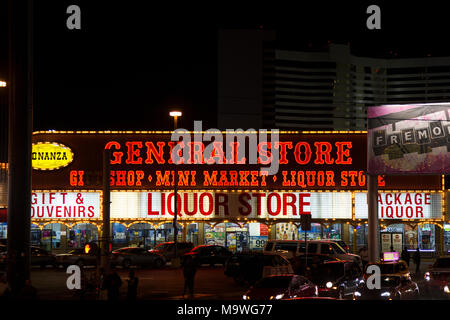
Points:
[(50, 156)]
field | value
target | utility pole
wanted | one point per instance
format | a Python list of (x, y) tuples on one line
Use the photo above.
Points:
[(372, 199), (106, 211), (20, 106)]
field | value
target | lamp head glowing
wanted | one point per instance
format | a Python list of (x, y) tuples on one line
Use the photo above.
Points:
[(3, 84), (175, 113)]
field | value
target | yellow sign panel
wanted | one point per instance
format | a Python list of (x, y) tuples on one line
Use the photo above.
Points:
[(50, 156)]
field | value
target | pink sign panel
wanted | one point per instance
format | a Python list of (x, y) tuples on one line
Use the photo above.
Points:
[(390, 256), (409, 139)]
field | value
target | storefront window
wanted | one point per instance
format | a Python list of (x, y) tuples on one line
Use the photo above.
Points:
[(215, 235), (231, 235), (165, 233), (140, 235), (361, 236), (3, 230), (192, 233), (426, 237), (35, 239), (81, 234), (314, 234), (119, 235), (333, 231), (54, 236), (447, 238)]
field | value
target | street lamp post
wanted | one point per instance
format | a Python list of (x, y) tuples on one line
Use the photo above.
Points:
[(175, 261)]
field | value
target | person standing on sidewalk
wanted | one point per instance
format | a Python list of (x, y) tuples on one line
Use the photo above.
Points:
[(416, 259), (132, 286), (405, 256), (189, 271)]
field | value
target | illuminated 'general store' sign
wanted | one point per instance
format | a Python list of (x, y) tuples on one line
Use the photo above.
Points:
[(143, 161)]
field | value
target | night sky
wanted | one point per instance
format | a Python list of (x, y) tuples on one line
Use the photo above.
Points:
[(131, 62)]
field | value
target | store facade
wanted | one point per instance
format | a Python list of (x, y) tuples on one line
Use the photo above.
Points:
[(224, 198)]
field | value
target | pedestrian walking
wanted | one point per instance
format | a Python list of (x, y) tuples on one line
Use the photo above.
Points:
[(416, 259), (112, 285), (133, 282), (189, 271), (405, 255)]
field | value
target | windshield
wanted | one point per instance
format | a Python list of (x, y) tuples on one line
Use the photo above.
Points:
[(162, 246), (274, 282), (338, 248), (442, 263)]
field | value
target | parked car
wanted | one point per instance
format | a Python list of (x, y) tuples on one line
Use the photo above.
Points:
[(437, 278), (302, 262), (209, 254), (281, 287), (132, 256), (387, 268), (392, 287), (336, 279), (39, 257), (287, 248), (77, 257), (252, 266), (167, 249)]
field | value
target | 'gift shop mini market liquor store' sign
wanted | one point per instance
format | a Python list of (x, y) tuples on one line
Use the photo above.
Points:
[(222, 183)]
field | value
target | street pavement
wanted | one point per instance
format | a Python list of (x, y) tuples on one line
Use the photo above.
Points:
[(166, 283), (162, 284)]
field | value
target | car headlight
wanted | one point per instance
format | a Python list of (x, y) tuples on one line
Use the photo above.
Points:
[(245, 297), (446, 289), (357, 294), (385, 294), (329, 284), (279, 296)]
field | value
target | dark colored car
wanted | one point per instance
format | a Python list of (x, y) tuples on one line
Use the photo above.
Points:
[(392, 287), (437, 278), (337, 279), (42, 258), (39, 257), (281, 287), (133, 256), (399, 268), (209, 254), (252, 266), (167, 249), (77, 257)]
